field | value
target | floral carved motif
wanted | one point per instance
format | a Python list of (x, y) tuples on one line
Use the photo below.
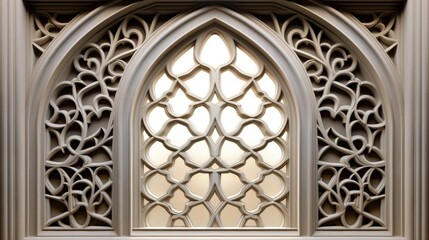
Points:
[(351, 163), (79, 165)]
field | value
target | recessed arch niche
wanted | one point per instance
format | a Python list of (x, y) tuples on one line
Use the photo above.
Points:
[(285, 60)]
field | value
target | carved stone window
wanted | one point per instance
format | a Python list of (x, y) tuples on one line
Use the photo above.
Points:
[(226, 120), (214, 139), (215, 149)]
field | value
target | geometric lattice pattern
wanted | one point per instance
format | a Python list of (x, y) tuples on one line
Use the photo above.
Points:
[(214, 144), (79, 122), (351, 126)]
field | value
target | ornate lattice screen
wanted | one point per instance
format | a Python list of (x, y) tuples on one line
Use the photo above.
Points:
[(214, 149)]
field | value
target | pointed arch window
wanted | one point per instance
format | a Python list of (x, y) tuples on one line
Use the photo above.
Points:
[(214, 140), (212, 121)]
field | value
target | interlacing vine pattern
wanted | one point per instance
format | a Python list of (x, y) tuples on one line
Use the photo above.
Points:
[(351, 163), (78, 166), (47, 27), (214, 144), (382, 27)]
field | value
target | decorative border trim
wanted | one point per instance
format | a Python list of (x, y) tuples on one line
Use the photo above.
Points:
[(366, 5), (14, 70), (414, 65)]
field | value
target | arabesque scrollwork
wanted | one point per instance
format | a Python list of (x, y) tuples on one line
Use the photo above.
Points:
[(79, 165), (382, 26), (351, 126), (46, 27)]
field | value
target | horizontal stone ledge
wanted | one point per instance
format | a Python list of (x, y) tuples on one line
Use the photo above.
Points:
[(81, 5)]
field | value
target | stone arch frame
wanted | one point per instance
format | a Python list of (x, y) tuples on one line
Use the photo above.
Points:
[(325, 16), (213, 18)]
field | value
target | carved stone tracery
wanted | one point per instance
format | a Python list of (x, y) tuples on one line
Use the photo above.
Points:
[(350, 121), (79, 164), (351, 162), (47, 26), (383, 27)]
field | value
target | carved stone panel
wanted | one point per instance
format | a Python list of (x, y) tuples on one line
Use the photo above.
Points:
[(79, 164), (351, 163)]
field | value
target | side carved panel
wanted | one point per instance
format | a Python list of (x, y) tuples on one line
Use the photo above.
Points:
[(79, 122), (351, 162)]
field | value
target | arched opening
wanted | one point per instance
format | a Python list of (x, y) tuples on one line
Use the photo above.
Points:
[(185, 113), (215, 145)]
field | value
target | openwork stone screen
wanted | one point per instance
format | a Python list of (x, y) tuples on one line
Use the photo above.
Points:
[(79, 122), (350, 127), (277, 124), (214, 144)]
